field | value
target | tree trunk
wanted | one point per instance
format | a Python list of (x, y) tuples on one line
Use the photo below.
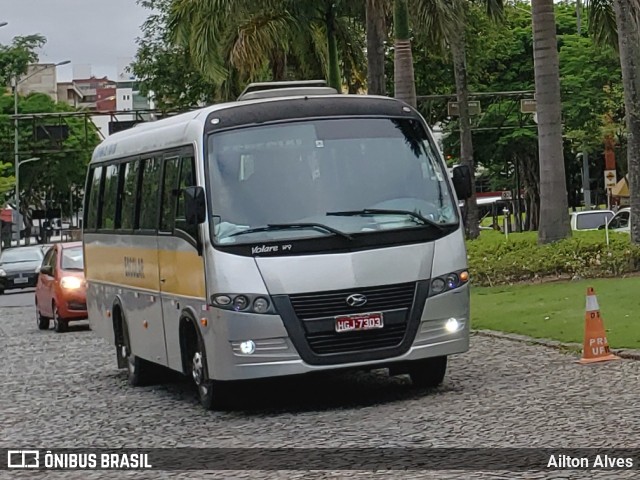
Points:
[(278, 66), (458, 52), (335, 79), (628, 39), (530, 172), (404, 78), (554, 209), (376, 35)]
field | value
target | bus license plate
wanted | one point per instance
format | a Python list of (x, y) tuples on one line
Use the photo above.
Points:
[(354, 323)]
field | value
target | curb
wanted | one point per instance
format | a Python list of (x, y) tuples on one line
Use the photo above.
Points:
[(555, 344)]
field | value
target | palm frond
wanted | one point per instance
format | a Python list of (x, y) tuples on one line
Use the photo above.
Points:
[(437, 19), (602, 22)]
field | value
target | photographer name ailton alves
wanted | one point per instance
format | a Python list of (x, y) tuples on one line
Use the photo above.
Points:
[(599, 461)]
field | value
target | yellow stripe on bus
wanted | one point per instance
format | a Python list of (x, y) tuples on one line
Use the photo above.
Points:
[(183, 272)]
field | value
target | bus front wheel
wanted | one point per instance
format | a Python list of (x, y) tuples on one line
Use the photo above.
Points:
[(210, 393), (429, 372)]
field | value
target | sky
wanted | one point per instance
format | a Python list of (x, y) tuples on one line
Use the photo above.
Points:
[(95, 34)]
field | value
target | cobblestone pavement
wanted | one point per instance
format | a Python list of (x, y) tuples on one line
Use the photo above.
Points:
[(63, 390)]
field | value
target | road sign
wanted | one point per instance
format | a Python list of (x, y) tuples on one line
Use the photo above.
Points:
[(528, 105), (506, 195), (454, 111), (610, 178)]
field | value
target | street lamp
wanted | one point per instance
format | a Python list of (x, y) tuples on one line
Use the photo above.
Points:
[(4, 24), (15, 82)]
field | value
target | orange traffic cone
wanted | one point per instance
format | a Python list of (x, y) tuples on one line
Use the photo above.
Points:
[(595, 347)]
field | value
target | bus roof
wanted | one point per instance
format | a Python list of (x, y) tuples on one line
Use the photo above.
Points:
[(188, 127)]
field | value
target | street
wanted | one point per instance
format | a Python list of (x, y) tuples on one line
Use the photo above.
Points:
[(63, 390)]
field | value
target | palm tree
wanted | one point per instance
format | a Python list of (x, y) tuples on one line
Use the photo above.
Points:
[(459, 55), (240, 40), (554, 217), (376, 36), (615, 23), (404, 77)]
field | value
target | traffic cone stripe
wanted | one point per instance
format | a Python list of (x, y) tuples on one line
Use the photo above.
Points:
[(592, 303), (595, 346)]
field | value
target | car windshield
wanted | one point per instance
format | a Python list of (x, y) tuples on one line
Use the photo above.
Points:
[(20, 255), (326, 177), (586, 221), (72, 259)]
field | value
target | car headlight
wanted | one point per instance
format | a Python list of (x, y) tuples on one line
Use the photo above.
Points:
[(71, 283), (3, 273), (243, 302), (447, 282)]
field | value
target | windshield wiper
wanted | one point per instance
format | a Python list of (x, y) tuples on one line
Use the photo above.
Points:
[(377, 211), (290, 226)]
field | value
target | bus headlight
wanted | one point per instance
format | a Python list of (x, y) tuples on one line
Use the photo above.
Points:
[(244, 302), (449, 281), (260, 305), (240, 303)]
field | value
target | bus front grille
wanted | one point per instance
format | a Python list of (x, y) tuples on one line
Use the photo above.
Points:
[(327, 343), (329, 304)]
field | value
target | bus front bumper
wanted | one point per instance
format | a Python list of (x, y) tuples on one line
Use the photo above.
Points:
[(248, 347)]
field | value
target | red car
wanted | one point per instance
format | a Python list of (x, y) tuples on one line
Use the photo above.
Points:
[(61, 287)]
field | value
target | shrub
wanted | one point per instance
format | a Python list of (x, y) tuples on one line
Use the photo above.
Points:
[(495, 259)]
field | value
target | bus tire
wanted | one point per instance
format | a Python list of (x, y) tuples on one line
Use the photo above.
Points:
[(140, 372), (429, 372), (210, 393)]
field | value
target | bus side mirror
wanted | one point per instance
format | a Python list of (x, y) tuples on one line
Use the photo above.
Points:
[(194, 205), (462, 181)]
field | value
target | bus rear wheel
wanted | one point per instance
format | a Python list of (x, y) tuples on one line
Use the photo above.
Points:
[(140, 372), (429, 372)]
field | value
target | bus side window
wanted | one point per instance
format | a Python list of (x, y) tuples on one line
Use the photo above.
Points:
[(129, 190), (110, 197), (169, 185), (187, 179), (148, 196), (93, 204)]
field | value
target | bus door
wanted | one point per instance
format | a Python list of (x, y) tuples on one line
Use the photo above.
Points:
[(141, 265), (181, 268)]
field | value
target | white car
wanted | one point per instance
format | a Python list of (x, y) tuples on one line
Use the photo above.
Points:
[(620, 221), (590, 219)]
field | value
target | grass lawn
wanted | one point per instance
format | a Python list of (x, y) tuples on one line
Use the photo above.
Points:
[(556, 310)]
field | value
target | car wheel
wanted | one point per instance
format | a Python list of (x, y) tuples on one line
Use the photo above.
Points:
[(59, 325), (429, 372), (43, 322)]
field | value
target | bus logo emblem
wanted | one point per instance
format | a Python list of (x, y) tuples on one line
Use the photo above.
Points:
[(356, 300)]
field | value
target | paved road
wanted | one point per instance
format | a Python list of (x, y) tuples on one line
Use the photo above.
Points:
[(17, 298), (63, 390)]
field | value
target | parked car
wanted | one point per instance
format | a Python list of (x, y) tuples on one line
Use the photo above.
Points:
[(590, 219), (620, 221), (61, 288), (18, 267)]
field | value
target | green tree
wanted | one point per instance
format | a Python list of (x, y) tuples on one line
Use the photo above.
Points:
[(6, 181), (165, 69), (16, 57), (232, 42), (57, 179)]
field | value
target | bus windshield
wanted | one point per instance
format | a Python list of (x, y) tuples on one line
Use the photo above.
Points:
[(326, 177)]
